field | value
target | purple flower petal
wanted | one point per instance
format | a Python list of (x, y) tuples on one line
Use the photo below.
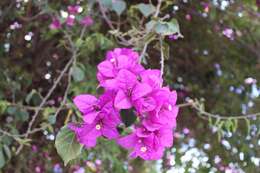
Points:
[(90, 117), (128, 141), (122, 101), (106, 69), (84, 102), (140, 90)]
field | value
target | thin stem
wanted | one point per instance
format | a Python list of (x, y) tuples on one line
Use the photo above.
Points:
[(51, 91), (37, 111), (105, 16), (30, 108), (248, 116), (210, 115), (123, 41), (158, 8), (143, 52), (162, 56), (65, 69), (7, 133), (184, 105), (66, 91)]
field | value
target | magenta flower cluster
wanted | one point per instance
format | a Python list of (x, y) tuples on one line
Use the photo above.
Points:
[(128, 85), (71, 19)]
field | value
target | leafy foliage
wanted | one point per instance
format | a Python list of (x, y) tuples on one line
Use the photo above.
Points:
[(67, 146)]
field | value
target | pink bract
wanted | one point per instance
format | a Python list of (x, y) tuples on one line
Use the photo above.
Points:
[(86, 21), (70, 21), (55, 24), (128, 85), (73, 9)]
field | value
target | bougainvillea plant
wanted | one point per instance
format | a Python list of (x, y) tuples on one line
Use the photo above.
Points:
[(128, 85)]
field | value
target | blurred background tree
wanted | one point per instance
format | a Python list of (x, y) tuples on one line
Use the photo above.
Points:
[(211, 52)]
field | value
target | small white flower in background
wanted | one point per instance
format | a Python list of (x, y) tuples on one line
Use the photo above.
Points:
[(250, 80), (64, 14), (7, 47), (28, 37), (47, 76)]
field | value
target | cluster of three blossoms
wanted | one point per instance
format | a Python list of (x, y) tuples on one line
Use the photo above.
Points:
[(128, 85)]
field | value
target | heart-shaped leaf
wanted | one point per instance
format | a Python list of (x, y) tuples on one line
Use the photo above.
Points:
[(67, 145), (78, 74), (146, 9), (167, 28), (119, 6)]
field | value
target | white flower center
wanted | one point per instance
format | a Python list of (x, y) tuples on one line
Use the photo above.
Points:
[(98, 126), (143, 149), (112, 60)]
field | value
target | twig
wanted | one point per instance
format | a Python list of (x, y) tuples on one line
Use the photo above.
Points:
[(248, 116), (109, 23), (66, 91), (30, 108), (46, 98), (7, 133), (162, 56), (158, 8), (184, 105), (70, 74), (210, 115), (147, 43), (71, 61), (143, 52), (160, 38), (105, 16), (82, 33), (34, 108), (51, 91)]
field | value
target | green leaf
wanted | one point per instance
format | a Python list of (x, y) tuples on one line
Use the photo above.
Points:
[(106, 3), (67, 145), (78, 74), (79, 42), (52, 119), (48, 111), (162, 28), (150, 25), (167, 28), (11, 110), (174, 26), (3, 106), (119, 6), (7, 152), (33, 97), (2, 158), (22, 115), (146, 9), (29, 96)]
